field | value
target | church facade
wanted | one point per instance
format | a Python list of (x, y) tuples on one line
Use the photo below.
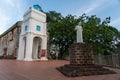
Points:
[(26, 40)]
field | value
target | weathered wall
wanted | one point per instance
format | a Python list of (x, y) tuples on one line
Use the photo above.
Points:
[(9, 41)]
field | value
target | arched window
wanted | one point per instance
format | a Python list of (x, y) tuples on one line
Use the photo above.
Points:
[(38, 28), (26, 28)]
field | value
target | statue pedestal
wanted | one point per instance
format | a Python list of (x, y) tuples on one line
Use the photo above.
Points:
[(82, 62), (81, 54)]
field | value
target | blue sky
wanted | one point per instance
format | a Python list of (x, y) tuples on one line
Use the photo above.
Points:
[(12, 11)]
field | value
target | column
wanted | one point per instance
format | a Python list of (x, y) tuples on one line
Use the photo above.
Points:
[(20, 49), (29, 44), (44, 48)]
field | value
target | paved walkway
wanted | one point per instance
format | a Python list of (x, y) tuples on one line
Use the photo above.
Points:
[(43, 70)]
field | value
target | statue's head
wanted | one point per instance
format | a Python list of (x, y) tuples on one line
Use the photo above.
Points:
[(79, 23)]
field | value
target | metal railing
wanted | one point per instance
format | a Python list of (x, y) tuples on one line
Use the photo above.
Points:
[(107, 60)]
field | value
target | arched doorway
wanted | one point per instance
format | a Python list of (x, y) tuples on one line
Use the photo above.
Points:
[(36, 47)]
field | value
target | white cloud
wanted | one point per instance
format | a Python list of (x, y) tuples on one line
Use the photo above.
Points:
[(11, 2), (4, 19), (91, 8), (115, 22), (95, 5), (12, 13)]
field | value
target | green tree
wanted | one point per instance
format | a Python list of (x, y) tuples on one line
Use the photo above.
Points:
[(61, 30), (96, 32), (100, 34)]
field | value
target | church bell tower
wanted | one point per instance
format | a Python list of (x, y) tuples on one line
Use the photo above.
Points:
[(33, 37)]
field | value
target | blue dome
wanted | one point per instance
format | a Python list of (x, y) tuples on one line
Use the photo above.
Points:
[(37, 7)]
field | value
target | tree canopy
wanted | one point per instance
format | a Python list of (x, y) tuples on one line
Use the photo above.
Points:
[(99, 33)]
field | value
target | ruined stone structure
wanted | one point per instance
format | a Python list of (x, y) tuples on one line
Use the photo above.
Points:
[(27, 39), (9, 41)]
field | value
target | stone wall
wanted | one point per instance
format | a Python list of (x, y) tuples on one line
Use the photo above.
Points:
[(82, 62), (81, 54), (9, 41)]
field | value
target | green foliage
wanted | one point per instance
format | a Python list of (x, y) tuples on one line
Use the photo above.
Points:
[(102, 36), (61, 30)]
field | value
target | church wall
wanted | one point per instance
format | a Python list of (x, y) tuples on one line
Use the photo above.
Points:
[(17, 41), (1, 52), (33, 26), (9, 41)]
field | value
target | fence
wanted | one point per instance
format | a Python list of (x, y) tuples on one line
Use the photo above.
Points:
[(107, 60)]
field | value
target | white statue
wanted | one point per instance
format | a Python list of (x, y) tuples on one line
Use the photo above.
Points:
[(79, 30)]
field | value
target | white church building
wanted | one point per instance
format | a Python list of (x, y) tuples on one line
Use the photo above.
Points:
[(29, 41)]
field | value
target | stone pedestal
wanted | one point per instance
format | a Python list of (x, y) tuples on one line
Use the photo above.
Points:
[(81, 54), (82, 62)]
